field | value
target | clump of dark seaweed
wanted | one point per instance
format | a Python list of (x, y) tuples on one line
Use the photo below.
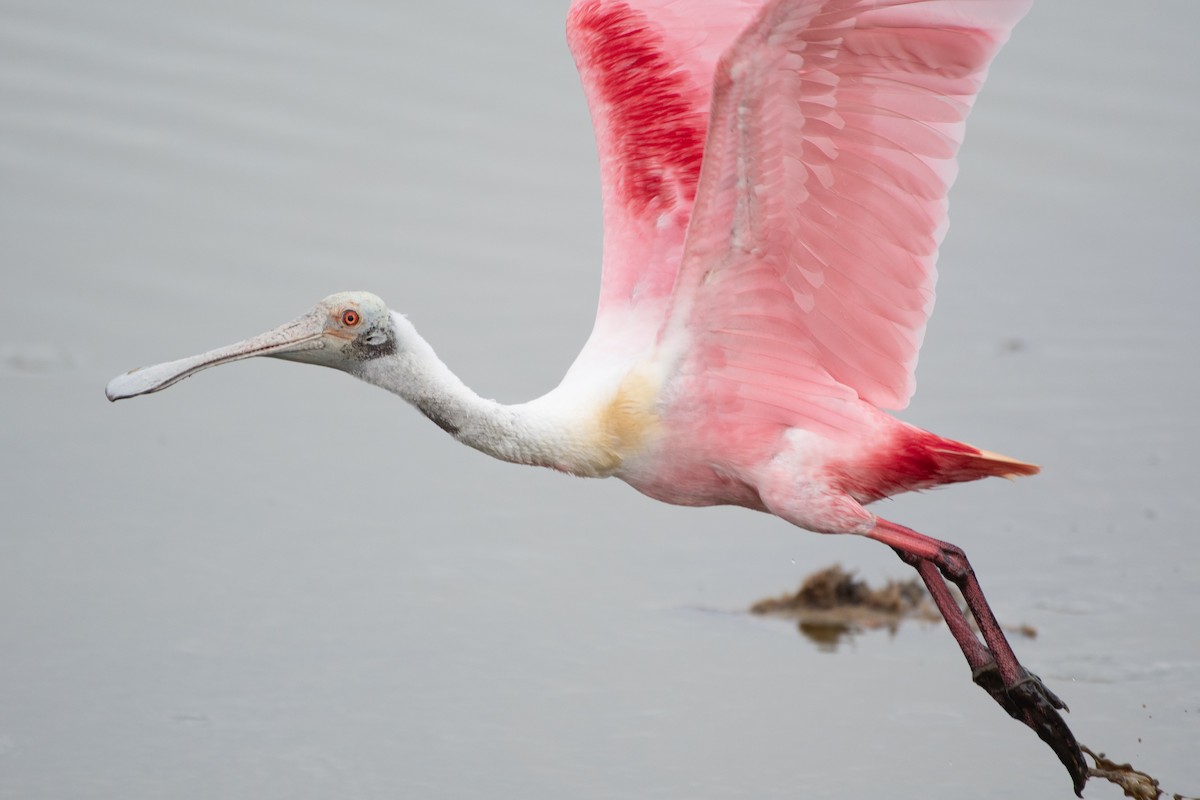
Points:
[(1134, 783), (832, 603)]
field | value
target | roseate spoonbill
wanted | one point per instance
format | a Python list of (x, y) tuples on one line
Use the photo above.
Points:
[(774, 190)]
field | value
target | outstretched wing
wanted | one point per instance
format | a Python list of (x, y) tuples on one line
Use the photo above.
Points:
[(809, 264), (647, 69)]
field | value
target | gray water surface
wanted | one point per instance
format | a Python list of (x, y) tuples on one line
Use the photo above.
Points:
[(275, 582)]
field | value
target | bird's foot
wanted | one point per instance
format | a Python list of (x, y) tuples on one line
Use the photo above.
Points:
[(1029, 701)]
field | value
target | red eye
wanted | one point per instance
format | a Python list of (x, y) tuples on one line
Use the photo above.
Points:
[(350, 318)]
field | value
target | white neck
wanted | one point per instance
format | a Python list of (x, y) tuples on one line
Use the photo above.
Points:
[(531, 433)]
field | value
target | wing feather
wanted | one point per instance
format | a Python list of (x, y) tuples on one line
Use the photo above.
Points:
[(810, 258), (647, 69)]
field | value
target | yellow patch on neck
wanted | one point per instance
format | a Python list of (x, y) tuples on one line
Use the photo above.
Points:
[(626, 421)]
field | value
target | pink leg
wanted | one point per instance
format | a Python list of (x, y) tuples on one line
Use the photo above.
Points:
[(993, 664)]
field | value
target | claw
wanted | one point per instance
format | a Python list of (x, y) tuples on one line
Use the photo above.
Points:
[(1029, 701), (1032, 679)]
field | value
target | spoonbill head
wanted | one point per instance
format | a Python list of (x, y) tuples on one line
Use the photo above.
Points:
[(342, 331)]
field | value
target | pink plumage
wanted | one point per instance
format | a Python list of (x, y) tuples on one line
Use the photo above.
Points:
[(778, 279), (774, 182), (775, 179)]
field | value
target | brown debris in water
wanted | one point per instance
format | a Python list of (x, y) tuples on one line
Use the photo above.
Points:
[(832, 604), (1134, 783)]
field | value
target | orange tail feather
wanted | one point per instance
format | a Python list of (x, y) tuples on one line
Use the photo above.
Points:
[(919, 460), (975, 463)]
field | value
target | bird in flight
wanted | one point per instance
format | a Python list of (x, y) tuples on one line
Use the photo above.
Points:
[(774, 191)]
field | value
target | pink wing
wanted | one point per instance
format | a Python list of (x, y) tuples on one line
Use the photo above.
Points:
[(647, 69), (809, 264)]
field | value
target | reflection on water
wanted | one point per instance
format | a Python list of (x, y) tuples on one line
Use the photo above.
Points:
[(275, 582), (827, 635), (832, 604)]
